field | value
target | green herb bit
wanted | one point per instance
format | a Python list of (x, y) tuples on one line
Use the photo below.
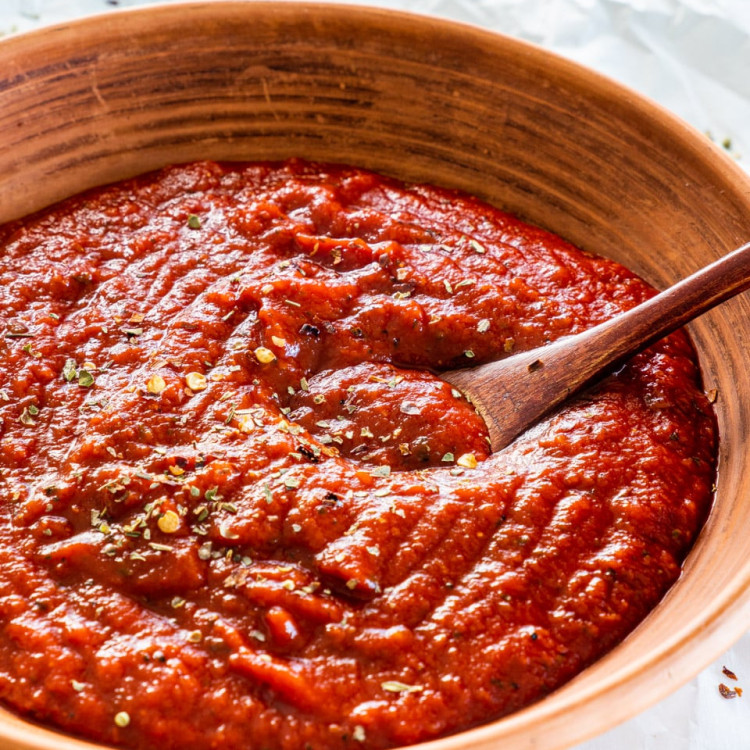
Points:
[(26, 418), (409, 407), (70, 369), (85, 379), (194, 221)]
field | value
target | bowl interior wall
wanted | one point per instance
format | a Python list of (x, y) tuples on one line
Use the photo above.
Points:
[(421, 99)]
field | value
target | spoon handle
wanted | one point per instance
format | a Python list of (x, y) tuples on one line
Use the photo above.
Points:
[(513, 393), (612, 343)]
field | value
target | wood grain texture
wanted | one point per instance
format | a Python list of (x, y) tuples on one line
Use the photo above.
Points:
[(105, 98), (512, 394)]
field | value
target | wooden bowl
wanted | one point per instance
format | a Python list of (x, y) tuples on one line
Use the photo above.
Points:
[(101, 99)]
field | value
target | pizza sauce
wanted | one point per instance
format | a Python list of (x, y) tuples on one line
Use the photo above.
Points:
[(240, 509)]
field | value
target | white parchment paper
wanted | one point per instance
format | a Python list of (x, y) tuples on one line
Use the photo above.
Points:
[(691, 56)]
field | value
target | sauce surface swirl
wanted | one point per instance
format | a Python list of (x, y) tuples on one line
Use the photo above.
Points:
[(240, 512)]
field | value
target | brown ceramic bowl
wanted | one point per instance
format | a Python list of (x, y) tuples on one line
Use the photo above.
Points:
[(101, 99)]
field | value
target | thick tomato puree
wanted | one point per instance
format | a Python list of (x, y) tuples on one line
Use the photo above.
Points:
[(240, 511)]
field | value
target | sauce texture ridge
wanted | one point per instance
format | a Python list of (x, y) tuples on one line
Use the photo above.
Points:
[(240, 511)]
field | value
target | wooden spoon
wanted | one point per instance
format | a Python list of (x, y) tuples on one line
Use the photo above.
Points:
[(512, 394)]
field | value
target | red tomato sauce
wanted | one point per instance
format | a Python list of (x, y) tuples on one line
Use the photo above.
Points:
[(240, 512)]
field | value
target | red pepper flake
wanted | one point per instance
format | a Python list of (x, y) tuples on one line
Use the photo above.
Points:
[(727, 692), (395, 686), (155, 384), (728, 672)]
